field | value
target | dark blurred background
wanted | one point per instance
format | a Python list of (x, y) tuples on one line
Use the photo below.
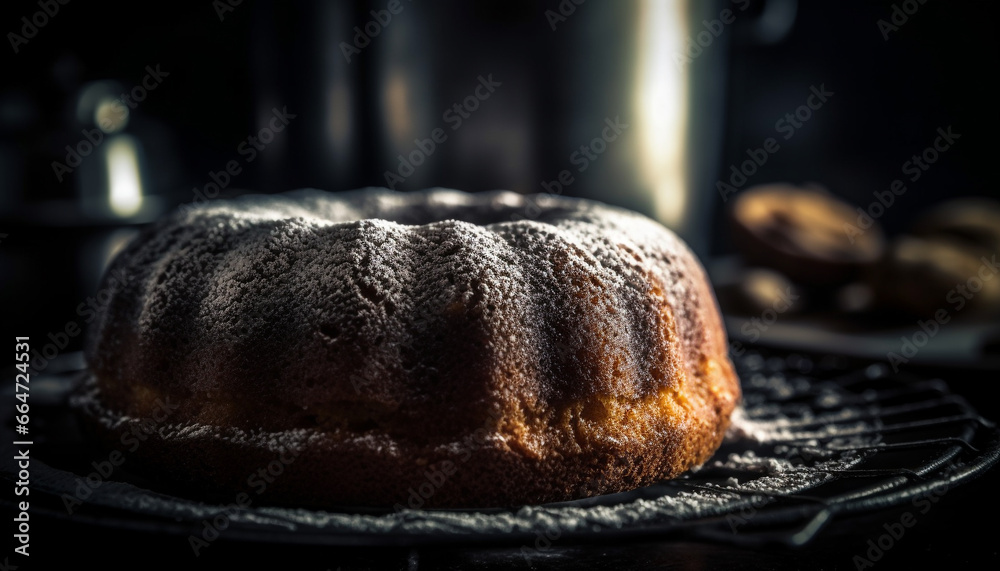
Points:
[(112, 114)]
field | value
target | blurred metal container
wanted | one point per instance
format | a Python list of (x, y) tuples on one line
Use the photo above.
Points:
[(622, 102)]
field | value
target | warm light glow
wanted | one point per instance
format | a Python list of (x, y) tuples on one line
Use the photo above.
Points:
[(339, 121), (662, 93), (397, 104), (111, 115), (124, 184), (116, 242)]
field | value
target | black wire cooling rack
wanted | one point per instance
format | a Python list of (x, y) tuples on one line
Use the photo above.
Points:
[(815, 440), (898, 436)]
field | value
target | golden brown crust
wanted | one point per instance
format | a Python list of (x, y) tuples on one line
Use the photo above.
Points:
[(486, 363)]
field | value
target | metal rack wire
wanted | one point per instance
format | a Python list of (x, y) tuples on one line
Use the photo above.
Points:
[(919, 438)]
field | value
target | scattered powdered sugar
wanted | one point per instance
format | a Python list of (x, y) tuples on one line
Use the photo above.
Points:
[(789, 469), (350, 297), (798, 461)]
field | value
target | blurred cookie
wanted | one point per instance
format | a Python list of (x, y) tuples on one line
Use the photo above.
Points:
[(922, 275), (855, 297), (975, 221), (805, 233), (756, 290)]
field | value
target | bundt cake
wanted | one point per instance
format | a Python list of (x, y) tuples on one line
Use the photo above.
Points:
[(423, 349)]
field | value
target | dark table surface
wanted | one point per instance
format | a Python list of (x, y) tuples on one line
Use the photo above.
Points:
[(958, 531)]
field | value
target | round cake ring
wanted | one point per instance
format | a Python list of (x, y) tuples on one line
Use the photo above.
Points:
[(426, 349)]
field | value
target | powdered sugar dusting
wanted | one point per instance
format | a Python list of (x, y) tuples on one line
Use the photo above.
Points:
[(421, 318)]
